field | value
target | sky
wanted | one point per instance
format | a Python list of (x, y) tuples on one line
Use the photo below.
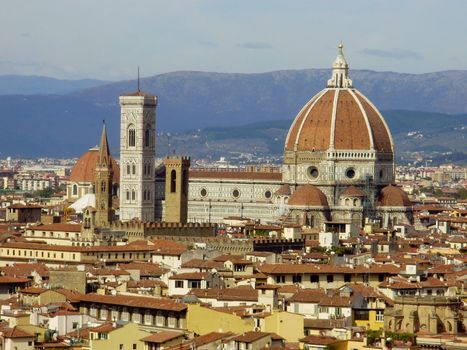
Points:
[(109, 39)]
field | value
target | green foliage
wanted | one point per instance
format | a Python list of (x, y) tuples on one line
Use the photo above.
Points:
[(461, 193), (373, 336), (318, 249), (340, 251), (405, 337)]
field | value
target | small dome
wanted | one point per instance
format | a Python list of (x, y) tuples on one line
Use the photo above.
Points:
[(85, 167), (353, 191), (308, 195), (393, 196), (284, 190)]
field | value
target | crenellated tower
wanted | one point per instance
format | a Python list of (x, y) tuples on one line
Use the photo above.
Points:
[(176, 188)]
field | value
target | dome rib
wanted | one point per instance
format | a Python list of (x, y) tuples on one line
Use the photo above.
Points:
[(365, 116)]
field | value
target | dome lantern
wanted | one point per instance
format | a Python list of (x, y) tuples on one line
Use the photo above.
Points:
[(340, 71)]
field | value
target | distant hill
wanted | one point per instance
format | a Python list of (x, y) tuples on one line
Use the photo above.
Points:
[(31, 85), (412, 131), (67, 124)]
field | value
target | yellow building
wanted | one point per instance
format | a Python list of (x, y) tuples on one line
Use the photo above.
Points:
[(112, 336), (202, 320)]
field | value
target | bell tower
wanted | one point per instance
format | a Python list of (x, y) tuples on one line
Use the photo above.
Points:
[(103, 183), (176, 189), (137, 152)]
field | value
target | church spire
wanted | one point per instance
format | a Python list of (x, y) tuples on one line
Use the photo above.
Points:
[(340, 71), (104, 153)]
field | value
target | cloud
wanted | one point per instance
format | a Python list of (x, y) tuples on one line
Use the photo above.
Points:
[(397, 54), (257, 45), (207, 43)]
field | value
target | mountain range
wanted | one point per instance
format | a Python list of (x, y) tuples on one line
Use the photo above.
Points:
[(48, 117)]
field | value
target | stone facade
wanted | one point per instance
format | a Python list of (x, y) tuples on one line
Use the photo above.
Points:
[(432, 314), (176, 189), (137, 151)]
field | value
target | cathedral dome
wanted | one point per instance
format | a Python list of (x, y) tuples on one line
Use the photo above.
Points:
[(84, 169), (339, 118), (308, 195), (393, 196)]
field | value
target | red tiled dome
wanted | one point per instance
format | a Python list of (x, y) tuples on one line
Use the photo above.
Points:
[(308, 195), (353, 191), (339, 118), (83, 170), (357, 124), (393, 196)]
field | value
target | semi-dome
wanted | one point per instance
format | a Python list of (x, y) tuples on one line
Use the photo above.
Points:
[(353, 191), (308, 195), (85, 167), (339, 118), (393, 196)]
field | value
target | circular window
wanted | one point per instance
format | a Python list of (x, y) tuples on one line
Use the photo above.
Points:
[(350, 173), (203, 192), (268, 194), (313, 172), (236, 193)]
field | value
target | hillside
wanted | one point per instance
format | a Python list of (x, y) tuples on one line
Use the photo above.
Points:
[(31, 85), (68, 124)]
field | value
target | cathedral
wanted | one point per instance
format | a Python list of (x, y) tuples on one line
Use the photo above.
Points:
[(338, 167)]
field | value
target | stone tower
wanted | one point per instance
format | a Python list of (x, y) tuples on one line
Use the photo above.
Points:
[(176, 189), (103, 183), (137, 151)]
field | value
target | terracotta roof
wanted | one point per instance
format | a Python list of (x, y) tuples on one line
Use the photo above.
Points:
[(239, 293), (33, 290), (134, 301), (12, 279), (15, 332), (234, 174), (355, 122), (308, 195), (85, 167), (250, 337), (275, 269), (284, 190), (307, 296), (319, 340), (353, 191), (190, 276), (393, 196), (162, 337), (25, 270), (56, 227)]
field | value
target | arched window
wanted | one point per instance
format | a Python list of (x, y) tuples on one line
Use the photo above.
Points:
[(127, 195), (103, 186), (147, 136), (134, 169), (133, 195), (128, 170), (131, 136), (173, 181), (75, 190)]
